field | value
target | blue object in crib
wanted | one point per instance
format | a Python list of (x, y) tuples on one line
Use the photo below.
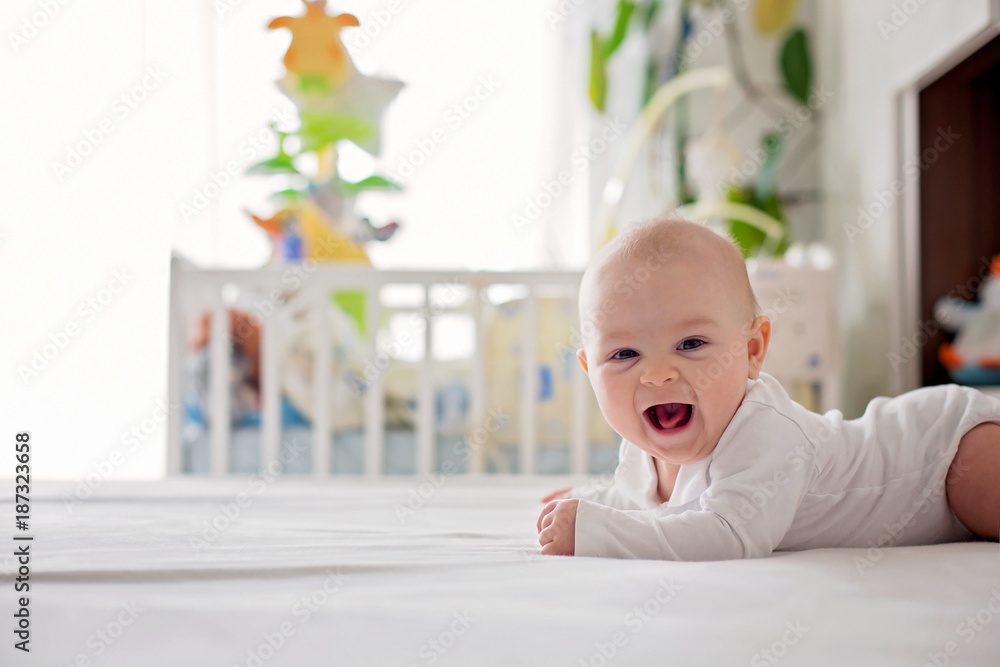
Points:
[(292, 246), (544, 382), (194, 415), (289, 416)]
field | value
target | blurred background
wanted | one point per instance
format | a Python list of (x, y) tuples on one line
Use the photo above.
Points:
[(129, 128)]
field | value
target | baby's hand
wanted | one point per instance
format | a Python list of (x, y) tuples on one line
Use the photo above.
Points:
[(559, 493), (557, 527)]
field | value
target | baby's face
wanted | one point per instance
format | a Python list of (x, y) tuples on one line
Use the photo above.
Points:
[(670, 357)]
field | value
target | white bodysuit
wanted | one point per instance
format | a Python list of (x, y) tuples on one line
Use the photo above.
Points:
[(785, 478)]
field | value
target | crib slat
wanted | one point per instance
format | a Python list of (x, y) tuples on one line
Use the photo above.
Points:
[(321, 384), (529, 385), (374, 400), (175, 453), (425, 395), (477, 407), (220, 361), (270, 398), (579, 420)]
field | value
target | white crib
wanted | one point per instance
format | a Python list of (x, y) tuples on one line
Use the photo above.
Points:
[(193, 290), (803, 354)]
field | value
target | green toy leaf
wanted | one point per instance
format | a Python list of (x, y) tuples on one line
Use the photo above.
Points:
[(749, 237), (623, 14), (315, 84), (319, 129), (652, 9), (352, 302), (598, 74), (279, 164), (371, 183), (767, 177), (290, 193), (602, 49), (650, 81), (796, 66)]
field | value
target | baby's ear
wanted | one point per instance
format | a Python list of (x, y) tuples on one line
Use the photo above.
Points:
[(582, 357), (760, 336)]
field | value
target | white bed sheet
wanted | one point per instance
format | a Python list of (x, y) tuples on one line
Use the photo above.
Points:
[(458, 582)]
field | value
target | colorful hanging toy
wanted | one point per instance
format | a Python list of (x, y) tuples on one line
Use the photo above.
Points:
[(335, 102)]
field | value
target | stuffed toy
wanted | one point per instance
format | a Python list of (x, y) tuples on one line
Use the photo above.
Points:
[(974, 356)]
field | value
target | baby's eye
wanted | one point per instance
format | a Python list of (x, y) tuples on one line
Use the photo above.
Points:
[(628, 354), (691, 344)]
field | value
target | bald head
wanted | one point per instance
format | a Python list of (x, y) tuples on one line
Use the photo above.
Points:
[(661, 241)]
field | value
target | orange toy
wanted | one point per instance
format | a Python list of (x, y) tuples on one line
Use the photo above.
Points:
[(316, 49)]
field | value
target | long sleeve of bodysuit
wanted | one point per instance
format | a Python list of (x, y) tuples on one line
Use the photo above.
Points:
[(616, 494), (757, 477)]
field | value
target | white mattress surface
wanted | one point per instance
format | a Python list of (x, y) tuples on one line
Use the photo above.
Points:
[(400, 571)]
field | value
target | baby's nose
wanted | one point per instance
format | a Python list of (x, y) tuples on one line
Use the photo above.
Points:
[(657, 373)]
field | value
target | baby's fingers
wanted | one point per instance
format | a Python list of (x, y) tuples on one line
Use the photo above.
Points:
[(554, 543), (547, 535), (550, 520), (546, 511), (552, 549)]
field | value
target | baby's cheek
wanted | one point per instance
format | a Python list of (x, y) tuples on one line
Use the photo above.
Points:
[(618, 416), (607, 397)]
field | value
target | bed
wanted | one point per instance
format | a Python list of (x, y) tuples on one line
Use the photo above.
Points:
[(445, 570), (370, 546)]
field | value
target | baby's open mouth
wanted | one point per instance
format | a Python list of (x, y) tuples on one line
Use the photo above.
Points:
[(666, 416)]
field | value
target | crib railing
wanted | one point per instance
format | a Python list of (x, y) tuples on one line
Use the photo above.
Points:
[(803, 353), (193, 289)]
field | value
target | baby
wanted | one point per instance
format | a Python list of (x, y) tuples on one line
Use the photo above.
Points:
[(716, 461)]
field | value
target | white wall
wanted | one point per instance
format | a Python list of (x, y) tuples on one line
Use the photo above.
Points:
[(866, 62), (63, 239)]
